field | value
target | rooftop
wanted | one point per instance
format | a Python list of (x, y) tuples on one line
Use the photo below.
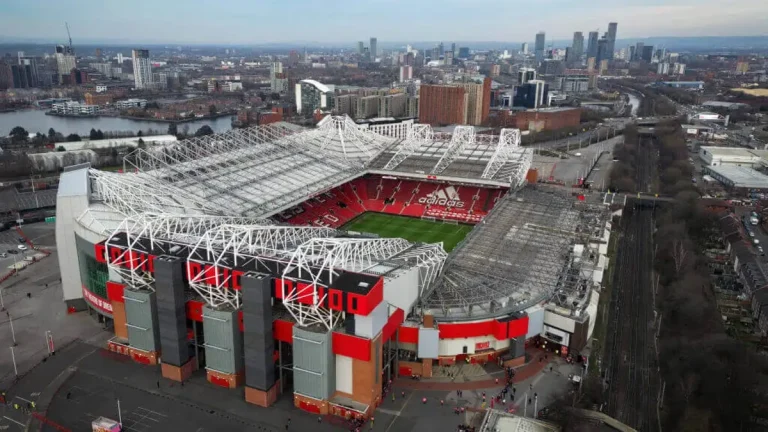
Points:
[(728, 151), (531, 247), (740, 177), (500, 421)]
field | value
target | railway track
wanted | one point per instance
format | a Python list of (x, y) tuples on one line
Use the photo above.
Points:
[(631, 363)]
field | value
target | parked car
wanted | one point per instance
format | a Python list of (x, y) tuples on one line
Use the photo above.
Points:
[(22, 240), (12, 251), (3, 255), (22, 247)]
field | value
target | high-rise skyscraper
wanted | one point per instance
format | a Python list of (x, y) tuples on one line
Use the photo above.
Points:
[(525, 74), (603, 48), (524, 48), (577, 47), (592, 44), (142, 69), (647, 53), (453, 49), (360, 47), (631, 53), (406, 73), (539, 48), (65, 61), (611, 36), (639, 51), (29, 65), (374, 51), (441, 49)]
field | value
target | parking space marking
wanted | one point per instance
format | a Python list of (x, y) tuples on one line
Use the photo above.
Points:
[(140, 418), (18, 423)]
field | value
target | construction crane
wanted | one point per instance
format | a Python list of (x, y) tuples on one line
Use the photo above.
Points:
[(71, 50)]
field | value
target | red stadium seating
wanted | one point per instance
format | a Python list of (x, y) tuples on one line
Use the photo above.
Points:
[(413, 198)]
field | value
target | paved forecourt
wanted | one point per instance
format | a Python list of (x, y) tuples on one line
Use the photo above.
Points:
[(411, 229)]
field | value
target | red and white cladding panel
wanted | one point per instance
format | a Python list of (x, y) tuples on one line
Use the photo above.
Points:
[(402, 290)]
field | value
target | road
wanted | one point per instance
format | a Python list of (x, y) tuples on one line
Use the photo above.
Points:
[(631, 371), (608, 130)]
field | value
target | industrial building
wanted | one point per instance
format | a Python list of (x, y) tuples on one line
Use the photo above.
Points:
[(226, 257), (739, 179), (733, 156)]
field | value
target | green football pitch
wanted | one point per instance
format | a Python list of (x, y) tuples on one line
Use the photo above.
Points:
[(412, 229)]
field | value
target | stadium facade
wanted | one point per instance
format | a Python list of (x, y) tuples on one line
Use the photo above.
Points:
[(227, 253)]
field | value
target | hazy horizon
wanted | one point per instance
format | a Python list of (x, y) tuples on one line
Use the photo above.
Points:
[(240, 22)]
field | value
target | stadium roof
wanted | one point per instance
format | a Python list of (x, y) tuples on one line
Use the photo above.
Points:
[(260, 171), (214, 195), (534, 244)]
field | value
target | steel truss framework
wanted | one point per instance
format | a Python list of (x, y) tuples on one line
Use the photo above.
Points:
[(256, 171), (509, 141), (429, 258), (463, 136), (133, 194), (175, 196), (522, 254), (418, 135), (233, 242), (151, 231), (340, 138), (233, 246)]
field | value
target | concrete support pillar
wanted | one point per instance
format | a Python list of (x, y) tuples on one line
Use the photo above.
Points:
[(223, 346), (172, 318), (141, 323), (261, 387)]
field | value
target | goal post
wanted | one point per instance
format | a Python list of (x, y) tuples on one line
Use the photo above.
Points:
[(429, 218), (450, 221)]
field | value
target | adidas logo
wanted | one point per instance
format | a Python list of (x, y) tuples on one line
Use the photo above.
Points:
[(447, 197)]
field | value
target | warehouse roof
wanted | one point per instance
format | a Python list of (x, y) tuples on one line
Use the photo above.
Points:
[(740, 177)]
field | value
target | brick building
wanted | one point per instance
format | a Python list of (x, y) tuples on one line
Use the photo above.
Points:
[(443, 104), (537, 120), (98, 99)]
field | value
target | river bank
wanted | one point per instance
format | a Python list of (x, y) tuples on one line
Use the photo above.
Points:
[(35, 120), (184, 120)]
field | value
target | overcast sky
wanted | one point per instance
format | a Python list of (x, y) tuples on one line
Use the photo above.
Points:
[(346, 21)]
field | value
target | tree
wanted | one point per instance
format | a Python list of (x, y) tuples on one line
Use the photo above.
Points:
[(141, 144), (100, 134), (19, 134), (139, 133), (203, 131), (73, 138), (93, 135), (212, 109), (173, 129), (51, 134), (60, 148)]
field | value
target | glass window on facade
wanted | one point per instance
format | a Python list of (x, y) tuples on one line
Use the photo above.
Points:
[(94, 275)]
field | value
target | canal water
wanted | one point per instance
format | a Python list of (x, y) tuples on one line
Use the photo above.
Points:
[(36, 121)]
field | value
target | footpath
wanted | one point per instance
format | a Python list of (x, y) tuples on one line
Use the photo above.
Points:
[(534, 366)]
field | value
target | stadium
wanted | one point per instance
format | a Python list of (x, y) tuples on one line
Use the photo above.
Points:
[(324, 262)]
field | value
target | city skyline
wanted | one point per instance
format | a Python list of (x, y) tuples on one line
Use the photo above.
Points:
[(244, 23)]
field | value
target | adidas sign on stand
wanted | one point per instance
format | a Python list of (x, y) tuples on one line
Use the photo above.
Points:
[(447, 197)]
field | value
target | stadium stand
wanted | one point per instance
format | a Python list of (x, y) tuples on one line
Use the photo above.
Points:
[(394, 196)]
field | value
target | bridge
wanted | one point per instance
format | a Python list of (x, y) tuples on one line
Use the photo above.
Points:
[(611, 198), (653, 121)]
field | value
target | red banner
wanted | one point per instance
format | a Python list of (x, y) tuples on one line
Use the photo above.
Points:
[(479, 346), (97, 302)]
